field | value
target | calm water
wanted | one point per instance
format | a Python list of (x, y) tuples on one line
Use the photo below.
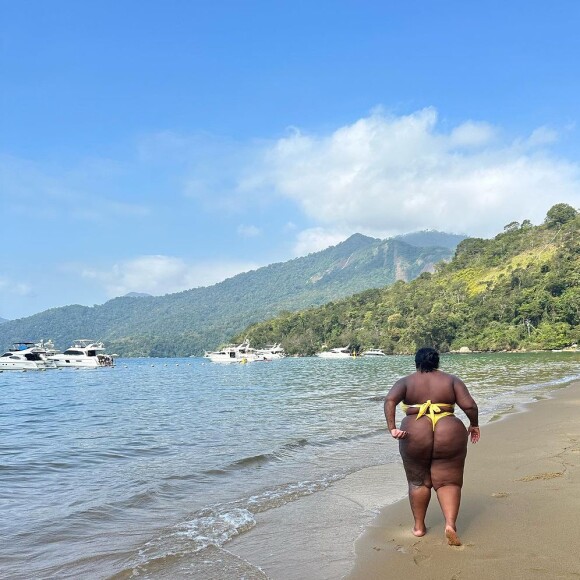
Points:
[(112, 472)]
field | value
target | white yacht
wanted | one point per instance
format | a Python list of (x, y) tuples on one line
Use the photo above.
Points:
[(47, 347), (340, 352), (271, 351), (373, 352), (83, 353), (241, 353), (25, 356)]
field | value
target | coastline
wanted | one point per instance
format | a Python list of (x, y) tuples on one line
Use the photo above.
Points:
[(519, 511)]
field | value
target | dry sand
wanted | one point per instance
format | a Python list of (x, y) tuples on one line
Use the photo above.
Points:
[(520, 512)]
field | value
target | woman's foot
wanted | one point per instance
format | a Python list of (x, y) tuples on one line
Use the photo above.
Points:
[(419, 531), (452, 537)]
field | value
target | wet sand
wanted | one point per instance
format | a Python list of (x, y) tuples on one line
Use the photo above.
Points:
[(314, 538), (520, 510)]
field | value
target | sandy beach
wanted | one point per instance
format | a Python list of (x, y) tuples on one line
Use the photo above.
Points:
[(520, 510)]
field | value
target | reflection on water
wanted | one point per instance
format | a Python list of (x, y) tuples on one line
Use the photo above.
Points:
[(109, 469)]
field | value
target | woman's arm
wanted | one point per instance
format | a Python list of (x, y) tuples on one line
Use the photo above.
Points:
[(468, 406), (393, 398)]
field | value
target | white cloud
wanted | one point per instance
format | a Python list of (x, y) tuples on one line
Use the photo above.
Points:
[(471, 134), (316, 239), (384, 175), (248, 231), (160, 275), (12, 287), (542, 136)]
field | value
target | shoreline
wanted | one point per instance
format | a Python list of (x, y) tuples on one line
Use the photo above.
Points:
[(519, 510)]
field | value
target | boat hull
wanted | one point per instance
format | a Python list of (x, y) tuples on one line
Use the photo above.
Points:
[(26, 366), (78, 363)]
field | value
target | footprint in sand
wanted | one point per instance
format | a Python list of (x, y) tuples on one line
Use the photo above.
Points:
[(545, 475), (420, 559), (500, 494)]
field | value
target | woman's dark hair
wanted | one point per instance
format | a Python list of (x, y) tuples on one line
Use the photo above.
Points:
[(426, 359)]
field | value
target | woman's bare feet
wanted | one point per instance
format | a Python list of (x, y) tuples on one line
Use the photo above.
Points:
[(419, 531), (452, 537)]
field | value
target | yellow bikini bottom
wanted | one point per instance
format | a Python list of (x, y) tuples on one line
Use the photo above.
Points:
[(431, 410)]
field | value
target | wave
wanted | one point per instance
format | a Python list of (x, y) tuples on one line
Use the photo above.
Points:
[(376, 398), (213, 563), (214, 526), (286, 450)]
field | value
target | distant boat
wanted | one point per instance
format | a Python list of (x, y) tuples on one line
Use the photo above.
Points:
[(373, 352), (340, 352), (241, 353), (25, 356), (271, 351), (83, 353), (47, 346)]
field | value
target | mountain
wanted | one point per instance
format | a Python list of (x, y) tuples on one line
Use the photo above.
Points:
[(433, 238), (136, 295), (519, 290), (3, 320), (188, 322)]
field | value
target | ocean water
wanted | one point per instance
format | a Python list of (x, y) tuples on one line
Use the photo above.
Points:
[(129, 471)]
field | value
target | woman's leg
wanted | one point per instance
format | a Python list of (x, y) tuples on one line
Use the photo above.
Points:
[(416, 451), (449, 452)]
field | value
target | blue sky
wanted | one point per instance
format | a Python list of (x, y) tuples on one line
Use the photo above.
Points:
[(155, 146)]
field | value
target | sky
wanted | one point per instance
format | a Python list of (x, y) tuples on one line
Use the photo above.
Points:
[(158, 146)]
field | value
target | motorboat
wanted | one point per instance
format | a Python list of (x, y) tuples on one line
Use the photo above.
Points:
[(241, 353), (25, 356), (373, 352), (340, 352), (83, 353), (47, 347), (271, 351)]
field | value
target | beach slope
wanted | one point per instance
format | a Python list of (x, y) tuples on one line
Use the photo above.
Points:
[(520, 510)]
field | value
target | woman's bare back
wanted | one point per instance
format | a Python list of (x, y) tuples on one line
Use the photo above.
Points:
[(435, 386)]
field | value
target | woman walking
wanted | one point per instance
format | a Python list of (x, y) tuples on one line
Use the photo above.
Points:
[(432, 441)]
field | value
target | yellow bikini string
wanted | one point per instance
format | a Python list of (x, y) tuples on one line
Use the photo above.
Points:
[(430, 409)]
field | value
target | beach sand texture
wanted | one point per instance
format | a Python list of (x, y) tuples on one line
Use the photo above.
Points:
[(520, 511)]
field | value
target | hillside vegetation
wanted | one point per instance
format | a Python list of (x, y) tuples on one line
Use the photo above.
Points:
[(200, 319), (519, 290)]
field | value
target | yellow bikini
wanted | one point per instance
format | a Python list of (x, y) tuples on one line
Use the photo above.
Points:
[(431, 410)]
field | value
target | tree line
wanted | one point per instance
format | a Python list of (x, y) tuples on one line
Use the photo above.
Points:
[(519, 290)]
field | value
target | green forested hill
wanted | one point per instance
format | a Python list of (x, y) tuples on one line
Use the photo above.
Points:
[(188, 322), (520, 289)]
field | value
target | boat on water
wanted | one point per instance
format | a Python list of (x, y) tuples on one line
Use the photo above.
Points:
[(25, 356), (271, 351), (47, 347), (84, 353), (373, 352), (339, 352), (241, 353)]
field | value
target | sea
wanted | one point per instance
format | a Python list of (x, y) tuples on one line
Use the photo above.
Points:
[(171, 468)]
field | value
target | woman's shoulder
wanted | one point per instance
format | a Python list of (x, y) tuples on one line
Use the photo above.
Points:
[(453, 379), (447, 375)]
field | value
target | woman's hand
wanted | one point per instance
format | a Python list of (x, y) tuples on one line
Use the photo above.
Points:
[(474, 434), (398, 434)]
